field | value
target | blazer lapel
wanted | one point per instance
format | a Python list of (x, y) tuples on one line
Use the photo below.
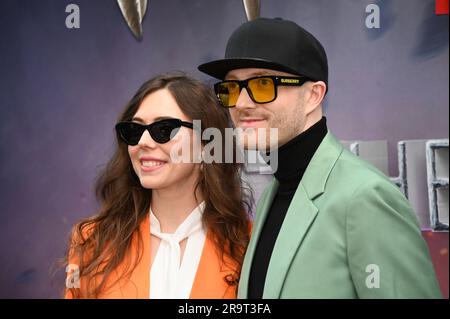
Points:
[(212, 273), (261, 214), (300, 215), (137, 285)]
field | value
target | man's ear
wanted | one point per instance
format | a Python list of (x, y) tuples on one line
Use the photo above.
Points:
[(316, 94)]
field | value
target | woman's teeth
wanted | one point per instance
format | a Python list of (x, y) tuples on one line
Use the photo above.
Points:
[(151, 163)]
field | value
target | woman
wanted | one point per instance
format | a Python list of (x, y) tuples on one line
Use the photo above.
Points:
[(165, 229)]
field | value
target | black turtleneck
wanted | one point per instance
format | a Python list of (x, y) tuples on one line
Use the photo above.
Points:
[(293, 159)]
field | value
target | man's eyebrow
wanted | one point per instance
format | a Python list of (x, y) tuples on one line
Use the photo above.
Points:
[(260, 73), (263, 73)]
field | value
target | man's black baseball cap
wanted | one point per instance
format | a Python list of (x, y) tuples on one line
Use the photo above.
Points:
[(275, 44)]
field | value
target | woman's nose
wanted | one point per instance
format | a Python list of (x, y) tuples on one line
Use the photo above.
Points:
[(147, 140)]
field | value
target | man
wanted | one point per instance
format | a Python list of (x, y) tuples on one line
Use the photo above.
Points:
[(329, 225)]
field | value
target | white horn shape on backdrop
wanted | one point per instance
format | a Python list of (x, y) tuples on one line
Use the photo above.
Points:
[(133, 11), (252, 8)]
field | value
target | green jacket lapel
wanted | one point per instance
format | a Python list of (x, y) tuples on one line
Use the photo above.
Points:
[(261, 213), (299, 217)]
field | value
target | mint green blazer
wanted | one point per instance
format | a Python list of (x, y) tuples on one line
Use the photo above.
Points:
[(348, 233)]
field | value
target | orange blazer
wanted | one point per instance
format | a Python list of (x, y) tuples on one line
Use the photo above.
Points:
[(209, 282)]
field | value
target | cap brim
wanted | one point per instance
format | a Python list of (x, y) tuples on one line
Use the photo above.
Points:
[(220, 68)]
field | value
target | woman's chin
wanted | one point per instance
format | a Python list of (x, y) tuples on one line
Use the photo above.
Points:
[(151, 183)]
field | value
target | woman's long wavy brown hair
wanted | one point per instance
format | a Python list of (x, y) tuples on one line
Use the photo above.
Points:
[(100, 243)]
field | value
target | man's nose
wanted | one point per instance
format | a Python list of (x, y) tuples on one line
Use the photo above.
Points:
[(244, 101)]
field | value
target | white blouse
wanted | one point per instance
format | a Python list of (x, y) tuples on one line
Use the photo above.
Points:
[(169, 279)]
